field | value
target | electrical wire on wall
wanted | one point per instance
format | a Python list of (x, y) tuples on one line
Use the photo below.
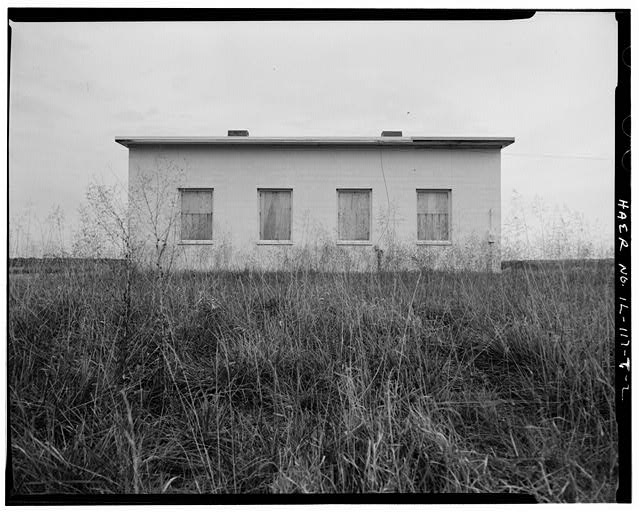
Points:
[(386, 189)]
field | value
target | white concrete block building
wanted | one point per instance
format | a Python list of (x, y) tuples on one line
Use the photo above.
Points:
[(325, 203)]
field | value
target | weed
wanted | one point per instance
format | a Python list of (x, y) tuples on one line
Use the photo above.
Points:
[(309, 382)]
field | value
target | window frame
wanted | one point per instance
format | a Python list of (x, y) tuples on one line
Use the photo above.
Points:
[(195, 242), (444, 242), (354, 242), (274, 242)]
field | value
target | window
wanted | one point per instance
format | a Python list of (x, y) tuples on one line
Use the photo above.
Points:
[(196, 214), (275, 214), (354, 215), (434, 207)]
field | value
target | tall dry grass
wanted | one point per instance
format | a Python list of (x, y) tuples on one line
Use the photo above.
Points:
[(306, 382)]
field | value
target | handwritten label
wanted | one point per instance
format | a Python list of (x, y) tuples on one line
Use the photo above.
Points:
[(623, 311)]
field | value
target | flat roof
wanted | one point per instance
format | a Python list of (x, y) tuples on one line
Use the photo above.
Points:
[(416, 141)]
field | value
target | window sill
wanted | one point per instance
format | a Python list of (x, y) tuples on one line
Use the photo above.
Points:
[(195, 243), (354, 243), (433, 242), (274, 243)]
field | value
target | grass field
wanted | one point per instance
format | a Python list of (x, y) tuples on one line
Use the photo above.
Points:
[(303, 382)]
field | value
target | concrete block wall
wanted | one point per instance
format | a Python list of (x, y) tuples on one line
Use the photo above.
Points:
[(315, 173)]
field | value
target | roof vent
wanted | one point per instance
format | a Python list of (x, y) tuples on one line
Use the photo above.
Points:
[(391, 133), (237, 133)]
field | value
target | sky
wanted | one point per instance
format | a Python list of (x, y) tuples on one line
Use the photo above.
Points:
[(548, 81)]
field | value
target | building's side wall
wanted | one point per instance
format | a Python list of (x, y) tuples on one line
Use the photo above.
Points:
[(314, 174)]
